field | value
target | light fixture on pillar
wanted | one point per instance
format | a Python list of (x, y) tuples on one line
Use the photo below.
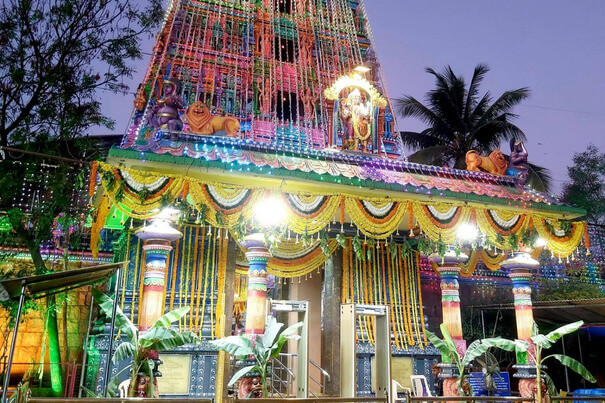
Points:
[(270, 214)]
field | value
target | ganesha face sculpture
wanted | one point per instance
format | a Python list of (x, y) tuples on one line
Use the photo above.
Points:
[(518, 165), (165, 113)]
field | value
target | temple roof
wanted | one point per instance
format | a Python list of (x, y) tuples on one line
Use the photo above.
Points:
[(336, 171)]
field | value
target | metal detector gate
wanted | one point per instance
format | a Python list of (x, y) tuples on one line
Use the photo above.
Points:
[(302, 363), (348, 348)]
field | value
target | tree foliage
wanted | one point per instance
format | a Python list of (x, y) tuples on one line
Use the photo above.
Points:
[(586, 188), (460, 119)]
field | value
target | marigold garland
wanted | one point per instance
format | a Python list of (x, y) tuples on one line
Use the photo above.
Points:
[(562, 245)]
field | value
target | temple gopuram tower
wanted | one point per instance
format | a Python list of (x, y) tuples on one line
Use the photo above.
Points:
[(266, 64)]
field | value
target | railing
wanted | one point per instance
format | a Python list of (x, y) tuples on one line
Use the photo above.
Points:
[(321, 383), (284, 386)]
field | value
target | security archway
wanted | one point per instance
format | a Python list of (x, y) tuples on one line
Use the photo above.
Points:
[(302, 362), (348, 348)]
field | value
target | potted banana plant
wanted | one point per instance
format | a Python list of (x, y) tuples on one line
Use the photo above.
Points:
[(143, 348), (262, 350)]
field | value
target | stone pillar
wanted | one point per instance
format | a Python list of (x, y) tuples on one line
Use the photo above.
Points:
[(449, 270), (157, 238), (520, 268), (330, 300)]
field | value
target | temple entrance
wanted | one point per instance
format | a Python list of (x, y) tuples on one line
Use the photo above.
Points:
[(348, 348)]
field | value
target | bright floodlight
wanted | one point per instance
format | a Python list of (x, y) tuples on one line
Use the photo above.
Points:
[(362, 69), (168, 213), (467, 232), (270, 212), (540, 242)]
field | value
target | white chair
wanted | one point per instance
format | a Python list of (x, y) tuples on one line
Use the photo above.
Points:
[(396, 387), (420, 386), (123, 388)]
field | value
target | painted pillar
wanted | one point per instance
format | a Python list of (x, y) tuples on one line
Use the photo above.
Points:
[(449, 270), (256, 303), (157, 238), (256, 300), (520, 268)]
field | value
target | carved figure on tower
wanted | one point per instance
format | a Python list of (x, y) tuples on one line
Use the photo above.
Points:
[(357, 115), (518, 165), (165, 113), (495, 163), (201, 121)]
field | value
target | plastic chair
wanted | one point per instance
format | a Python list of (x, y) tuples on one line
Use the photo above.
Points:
[(420, 386), (396, 387)]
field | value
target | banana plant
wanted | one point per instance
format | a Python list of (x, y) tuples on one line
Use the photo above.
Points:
[(543, 342), (447, 347), (160, 337), (263, 349)]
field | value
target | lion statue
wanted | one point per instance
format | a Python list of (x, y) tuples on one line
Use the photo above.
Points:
[(495, 163), (201, 121)]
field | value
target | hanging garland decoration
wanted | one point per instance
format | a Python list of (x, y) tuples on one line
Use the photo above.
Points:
[(562, 237), (140, 195), (100, 216), (225, 204), (291, 259), (375, 218), (386, 276), (498, 225), (490, 260), (440, 221), (310, 213)]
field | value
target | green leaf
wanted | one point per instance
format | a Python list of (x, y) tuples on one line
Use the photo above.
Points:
[(164, 339), (447, 338), (234, 345), (439, 344), (574, 365), (550, 385), (563, 330), (542, 341), (241, 373), (271, 331), (123, 351), (340, 238), (171, 317), (480, 347), (121, 321), (291, 329), (112, 386)]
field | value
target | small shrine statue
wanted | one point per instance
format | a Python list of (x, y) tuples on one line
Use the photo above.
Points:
[(165, 113), (518, 165), (357, 116)]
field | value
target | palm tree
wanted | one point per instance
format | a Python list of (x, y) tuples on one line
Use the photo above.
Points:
[(459, 120)]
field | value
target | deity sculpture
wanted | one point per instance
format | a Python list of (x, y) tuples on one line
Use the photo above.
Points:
[(308, 99), (165, 113), (518, 165), (201, 121), (357, 116)]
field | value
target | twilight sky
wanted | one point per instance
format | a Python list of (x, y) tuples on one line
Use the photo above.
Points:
[(554, 47)]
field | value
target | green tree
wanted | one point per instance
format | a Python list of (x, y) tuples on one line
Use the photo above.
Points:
[(159, 337), (587, 186), (460, 120), (56, 56)]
